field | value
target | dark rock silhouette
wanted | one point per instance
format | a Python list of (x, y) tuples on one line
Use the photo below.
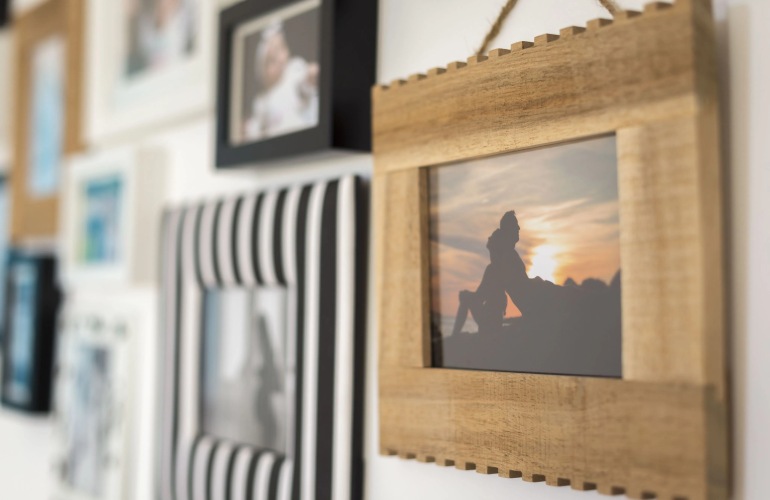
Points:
[(570, 329)]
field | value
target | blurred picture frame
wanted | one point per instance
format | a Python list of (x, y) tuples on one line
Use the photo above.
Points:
[(658, 426), (47, 112), (6, 98), (90, 396), (96, 415), (301, 252), (5, 13), (110, 218), (5, 207), (32, 302), (294, 78), (149, 64)]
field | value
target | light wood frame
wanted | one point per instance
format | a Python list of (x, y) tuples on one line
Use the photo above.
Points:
[(661, 430), (36, 218)]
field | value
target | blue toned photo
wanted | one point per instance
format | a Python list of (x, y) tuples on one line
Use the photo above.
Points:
[(46, 125), (4, 220), (22, 340), (90, 421), (100, 234)]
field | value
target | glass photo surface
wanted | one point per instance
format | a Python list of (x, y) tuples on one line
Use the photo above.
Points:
[(46, 117), (23, 310), (101, 199), (158, 34), (5, 205), (248, 368), (525, 261), (276, 74), (89, 422)]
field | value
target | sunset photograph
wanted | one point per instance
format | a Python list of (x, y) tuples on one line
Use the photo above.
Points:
[(563, 204)]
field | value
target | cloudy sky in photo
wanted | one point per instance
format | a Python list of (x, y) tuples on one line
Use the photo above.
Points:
[(566, 200)]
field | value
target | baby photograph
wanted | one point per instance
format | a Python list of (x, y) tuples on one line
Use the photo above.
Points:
[(276, 74), (159, 33)]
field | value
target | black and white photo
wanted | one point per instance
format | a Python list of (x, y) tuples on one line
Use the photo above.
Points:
[(248, 375)]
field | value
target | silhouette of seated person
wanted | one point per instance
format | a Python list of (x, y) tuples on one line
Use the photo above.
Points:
[(505, 273)]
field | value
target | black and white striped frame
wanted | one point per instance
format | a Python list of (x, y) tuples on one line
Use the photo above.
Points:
[(311, 239)]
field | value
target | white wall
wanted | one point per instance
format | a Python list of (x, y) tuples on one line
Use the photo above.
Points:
[(414, 36), (747, 113)]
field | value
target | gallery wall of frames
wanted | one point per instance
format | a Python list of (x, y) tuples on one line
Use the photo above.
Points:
[(288, 249)]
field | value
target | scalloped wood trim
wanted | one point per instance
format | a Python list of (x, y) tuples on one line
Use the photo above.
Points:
[(622, 17)]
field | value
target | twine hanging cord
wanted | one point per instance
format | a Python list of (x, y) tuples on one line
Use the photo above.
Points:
[(611, 6)]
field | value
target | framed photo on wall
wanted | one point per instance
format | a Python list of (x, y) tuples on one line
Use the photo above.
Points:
[(5, 207), (32, 301), (264, 306), (552, 283), (6, 98), (149, 64), (5, 12), (294, 78), (94, 411), (111, 216), (47, 111)]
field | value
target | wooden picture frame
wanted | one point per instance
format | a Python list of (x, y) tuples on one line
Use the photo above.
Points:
[(345, 60), (110, 218), (35, 216), (95, 396), (32, 302), (661, 430), (309, 240)]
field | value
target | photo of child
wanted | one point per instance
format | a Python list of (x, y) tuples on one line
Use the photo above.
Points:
[(100, 234), (159, 33), (277, 74)]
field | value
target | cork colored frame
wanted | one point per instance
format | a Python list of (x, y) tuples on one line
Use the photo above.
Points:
[(661, 430), (36, 218)]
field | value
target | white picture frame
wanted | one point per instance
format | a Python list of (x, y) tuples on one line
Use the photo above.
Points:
[(94, 419), (181, 89), (6, 108), (128, 254)]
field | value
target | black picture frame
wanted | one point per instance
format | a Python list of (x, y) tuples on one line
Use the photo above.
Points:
[(44, 308), (5, 13), (347, 58)]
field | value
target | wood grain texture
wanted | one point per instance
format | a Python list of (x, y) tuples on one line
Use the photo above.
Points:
[(661, 431), (404, 269), (33, 217), (593, 82)]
